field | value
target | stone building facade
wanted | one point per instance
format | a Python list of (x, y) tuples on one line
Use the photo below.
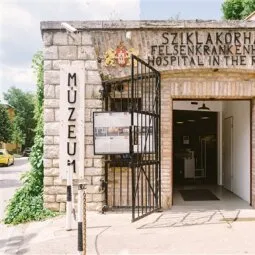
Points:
[(197, 60)]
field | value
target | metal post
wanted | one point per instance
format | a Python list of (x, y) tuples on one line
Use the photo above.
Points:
[(79, 218), (84, 223), (69, 199)]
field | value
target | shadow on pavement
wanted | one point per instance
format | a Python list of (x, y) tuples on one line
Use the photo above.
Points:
[(12, 244)]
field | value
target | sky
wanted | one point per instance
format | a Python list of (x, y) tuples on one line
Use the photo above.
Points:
[(20, 35)]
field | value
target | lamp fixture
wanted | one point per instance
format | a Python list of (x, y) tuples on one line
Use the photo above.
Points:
[(203, 107)]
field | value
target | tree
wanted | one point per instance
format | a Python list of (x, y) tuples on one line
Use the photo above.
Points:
[(23, 103), (237, 9), (5, 125), (17, 134), (27, 203)]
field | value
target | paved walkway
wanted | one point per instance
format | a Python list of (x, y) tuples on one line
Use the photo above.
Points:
[(171, 232)]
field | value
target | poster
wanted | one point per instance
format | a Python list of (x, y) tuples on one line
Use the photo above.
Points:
[(112, 133)]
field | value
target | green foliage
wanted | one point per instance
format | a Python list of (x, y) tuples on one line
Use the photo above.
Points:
[(23, 103), (5, 125), (237, 9), (27, 203), (17, 135)]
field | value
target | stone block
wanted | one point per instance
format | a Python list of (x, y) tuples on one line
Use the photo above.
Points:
[(93, 103), (49, 198), (48, 115), (47, 65), (47, 38), (67, 52), (61, 198), (89, 198), (48, 139), (52, 206), (47, 181), (56, 111), (59, 182), (50, 53), (55, 190), (96, 180), (88, 115), (91, 65), (51, 128), (74, 39), (51, 103), (57, 64), (89, 139), (98, 197), (49, 91), (51, 171), (57, 92), (86, 38), (78, 63), (55, 163), (56, 139), (60, 38), (86, 180), (51, 77), (47, 162), (93, 189), (98, 162), (86, 53), (88, 162), (95, 206), (62, 207), (89, 151), (96, 91), (88, 129), (94, 171), (93, 77), (89, 91), (51, 151)]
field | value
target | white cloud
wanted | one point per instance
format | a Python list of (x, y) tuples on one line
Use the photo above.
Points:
[(20, 35), (20, 77)]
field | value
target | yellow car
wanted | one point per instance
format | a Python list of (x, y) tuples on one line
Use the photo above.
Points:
[(6, 158)]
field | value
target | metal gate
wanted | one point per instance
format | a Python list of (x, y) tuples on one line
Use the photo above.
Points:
[(134, 180)]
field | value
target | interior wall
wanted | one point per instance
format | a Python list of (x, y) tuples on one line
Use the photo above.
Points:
[(240, 110), (215, 106)]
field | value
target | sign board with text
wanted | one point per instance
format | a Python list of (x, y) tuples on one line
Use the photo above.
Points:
[(72, 112), (112, 133)]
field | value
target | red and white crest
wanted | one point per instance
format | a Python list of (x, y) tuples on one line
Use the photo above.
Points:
[(122, 55)]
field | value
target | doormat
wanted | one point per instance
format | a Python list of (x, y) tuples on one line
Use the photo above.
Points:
[(197, 195)]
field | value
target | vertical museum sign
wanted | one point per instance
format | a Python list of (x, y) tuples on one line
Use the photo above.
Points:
[(72, 112)]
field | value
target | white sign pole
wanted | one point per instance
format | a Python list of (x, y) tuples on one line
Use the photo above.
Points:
[(69, 198)]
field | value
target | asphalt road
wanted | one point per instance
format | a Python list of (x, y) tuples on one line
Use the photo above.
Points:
[(10, 181)]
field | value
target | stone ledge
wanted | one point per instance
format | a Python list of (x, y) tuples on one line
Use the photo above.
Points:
[(146, 24)]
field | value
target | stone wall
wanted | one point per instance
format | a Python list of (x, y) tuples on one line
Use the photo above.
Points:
[(61, 48), (194, 85), (89, 48)]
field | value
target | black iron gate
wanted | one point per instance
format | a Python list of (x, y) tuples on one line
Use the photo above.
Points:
[(134, 179)]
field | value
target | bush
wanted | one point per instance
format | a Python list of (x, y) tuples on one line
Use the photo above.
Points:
[(27, 203)]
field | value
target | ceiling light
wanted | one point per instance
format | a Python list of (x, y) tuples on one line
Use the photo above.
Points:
[(203, 107), (191, 120), (179, 122), (205, 118)]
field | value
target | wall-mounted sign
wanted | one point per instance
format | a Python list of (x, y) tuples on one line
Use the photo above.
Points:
[(121, 56), (219, 48), (112, 133), (72, 107)]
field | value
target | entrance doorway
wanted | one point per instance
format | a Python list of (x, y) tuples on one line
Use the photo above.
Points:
[(211, 150)]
